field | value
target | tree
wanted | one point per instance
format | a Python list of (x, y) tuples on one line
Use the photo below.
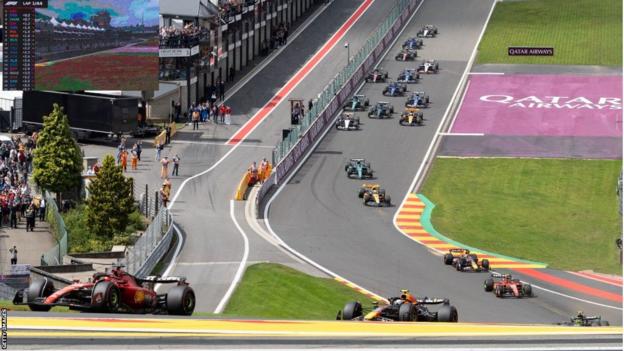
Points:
[(58, 161), (110, 200)]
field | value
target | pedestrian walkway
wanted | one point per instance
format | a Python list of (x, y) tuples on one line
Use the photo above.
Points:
[(30, 245)]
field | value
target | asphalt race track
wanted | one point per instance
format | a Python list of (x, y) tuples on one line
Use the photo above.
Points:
[(319, 214), (214, 247)]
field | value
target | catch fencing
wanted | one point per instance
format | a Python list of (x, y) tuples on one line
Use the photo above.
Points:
[(54, 256), (290, 151), (148, 250)]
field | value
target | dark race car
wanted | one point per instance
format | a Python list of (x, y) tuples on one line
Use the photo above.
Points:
[(463, 260), (428, 66), (428, 31), (395, 89), (404, 308), (377, 76), (417, 100), (413, 43), (412, 117), (504, 285), (111, 292), (357, 103), (381, 109), (347, 121), (408, 76), (581, 320), (359, 168), (406, 55)]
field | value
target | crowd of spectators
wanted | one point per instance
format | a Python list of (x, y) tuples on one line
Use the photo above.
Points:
[(16, 198), (186, 37), (229, 8)]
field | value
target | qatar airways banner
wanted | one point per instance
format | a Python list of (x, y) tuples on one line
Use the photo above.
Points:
[(546, 105)]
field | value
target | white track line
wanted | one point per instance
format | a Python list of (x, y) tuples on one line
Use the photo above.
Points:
[(461, 102), (486, 73), (302, 162), (462, 134)]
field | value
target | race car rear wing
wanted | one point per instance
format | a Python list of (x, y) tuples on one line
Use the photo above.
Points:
[(161, 280)]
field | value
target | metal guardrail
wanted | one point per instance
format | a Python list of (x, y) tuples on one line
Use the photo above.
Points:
[(338, 82), (54, 256), (143, 256)]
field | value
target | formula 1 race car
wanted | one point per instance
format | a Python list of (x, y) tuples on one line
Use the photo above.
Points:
[(411, 117), (428, 66), (359, 168), (347, 121), (417, 100), (374, 196), (462, 259), (357, 103), (581, 320), (377, 76), (381, 109), (111, 292), (503, 285), (395, 89), (428, 31), (406, 55), (413, 43), (404, 308), (408, 76)]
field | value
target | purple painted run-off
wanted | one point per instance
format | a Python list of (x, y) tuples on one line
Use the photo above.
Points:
[(542, 105)]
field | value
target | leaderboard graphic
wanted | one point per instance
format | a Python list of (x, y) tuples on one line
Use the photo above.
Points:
[(73, 45)]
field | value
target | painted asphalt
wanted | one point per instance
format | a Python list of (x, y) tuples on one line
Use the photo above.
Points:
[(319, 214)]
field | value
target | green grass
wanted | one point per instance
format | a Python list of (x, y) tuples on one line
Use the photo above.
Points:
[(560, 212), (270, 290), (582, 32), (11, 307)]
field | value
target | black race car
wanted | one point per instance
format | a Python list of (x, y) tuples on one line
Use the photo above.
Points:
[(413, 43), (428, 31), (357, 103), (381, 109), (347, 121), (377, 76), (404, 308), (408, 76), (395, 89), (417, 100), (428, 66), (406, 55), (581, 320)]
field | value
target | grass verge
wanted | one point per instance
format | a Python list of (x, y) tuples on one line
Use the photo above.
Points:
[(582, 32), (561, 212), (270, 290)]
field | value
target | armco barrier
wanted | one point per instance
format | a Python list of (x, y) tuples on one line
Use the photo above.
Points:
[(335, 96)]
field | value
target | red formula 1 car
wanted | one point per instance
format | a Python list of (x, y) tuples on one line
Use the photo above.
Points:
[(114, 292), (504, 285)]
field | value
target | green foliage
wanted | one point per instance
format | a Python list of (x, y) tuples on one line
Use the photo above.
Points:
[(583, 32), (110, 201), (83, 240), (58, 160), (270, 290), (561, 212)]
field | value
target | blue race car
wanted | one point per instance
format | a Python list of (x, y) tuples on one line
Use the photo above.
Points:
[(357, 103), (395, 89), (413, 43), (408, 76), (417, 99)]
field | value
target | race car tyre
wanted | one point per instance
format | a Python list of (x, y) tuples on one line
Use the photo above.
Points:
[(105, 297), (527, 290), (361, 193), (448, 259), (448, 313), (388, 200), (498, 291), (485, 263), (181, 300), (39, 288), (488, 285), (407, 312), (392, 109), (351, 311)]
